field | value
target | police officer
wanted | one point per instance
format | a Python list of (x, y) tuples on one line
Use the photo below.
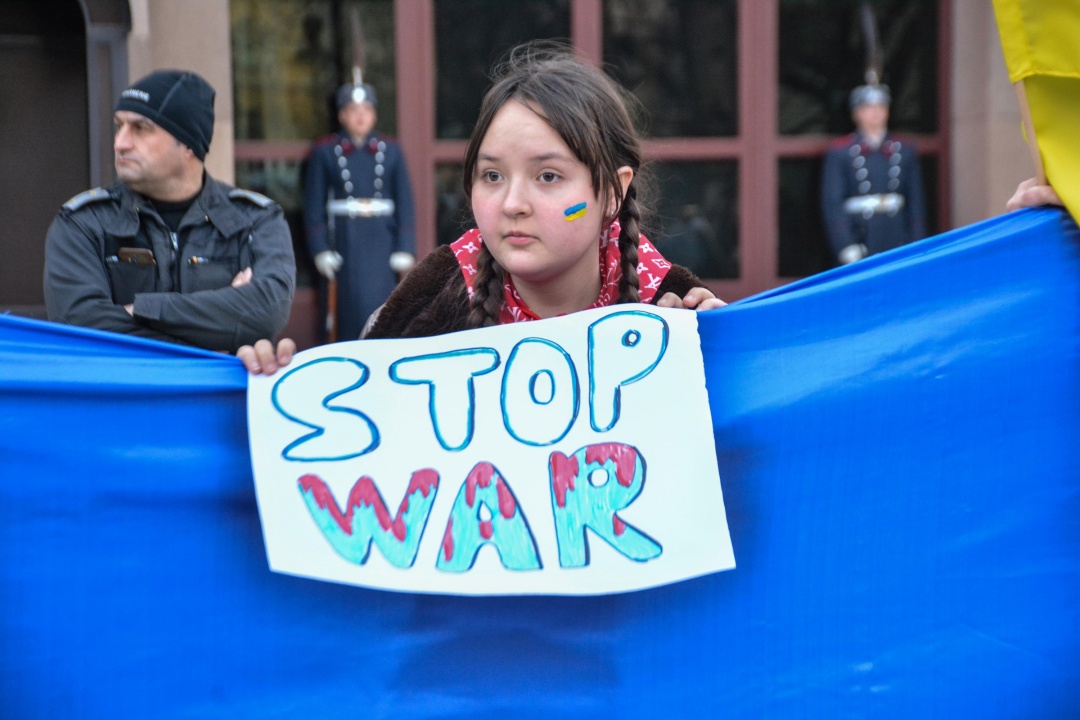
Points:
[(167, 252), (358, 210), (871, 189)]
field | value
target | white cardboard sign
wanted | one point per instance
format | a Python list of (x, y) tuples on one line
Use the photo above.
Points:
[(571, 456)]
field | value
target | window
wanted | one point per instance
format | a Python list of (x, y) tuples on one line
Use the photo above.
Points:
[(742, 98)]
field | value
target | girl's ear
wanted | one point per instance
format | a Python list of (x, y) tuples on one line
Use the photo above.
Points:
[(626, 176)]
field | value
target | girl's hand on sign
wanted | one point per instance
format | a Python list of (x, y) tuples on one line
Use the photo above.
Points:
[(698, 298), (261, 358)]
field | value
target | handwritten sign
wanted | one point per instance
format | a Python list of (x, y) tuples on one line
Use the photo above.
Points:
[(567, 456)]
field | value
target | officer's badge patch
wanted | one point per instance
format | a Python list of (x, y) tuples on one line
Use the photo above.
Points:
[(85, 198), (252, 197)]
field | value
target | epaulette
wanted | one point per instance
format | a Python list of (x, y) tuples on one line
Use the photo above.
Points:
[(252, 197), (85, 198), (843, 142)]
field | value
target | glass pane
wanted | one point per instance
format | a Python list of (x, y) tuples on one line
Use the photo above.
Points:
[(803, 248), (281, 180), (679, 59), (452, 214), (289, 56), (697, 222), (815, 83), (928, 165), (470, 36)]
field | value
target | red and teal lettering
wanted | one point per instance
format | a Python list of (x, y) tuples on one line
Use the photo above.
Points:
[(486, 512), (579, 503), (366, 518)]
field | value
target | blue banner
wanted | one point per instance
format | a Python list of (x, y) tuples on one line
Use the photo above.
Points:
[(897, 443)]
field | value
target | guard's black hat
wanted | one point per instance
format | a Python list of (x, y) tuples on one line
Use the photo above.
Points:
[(355, 93), (179, 101), (870, 95)]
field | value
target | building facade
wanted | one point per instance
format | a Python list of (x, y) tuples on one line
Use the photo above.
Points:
[(741, 99)]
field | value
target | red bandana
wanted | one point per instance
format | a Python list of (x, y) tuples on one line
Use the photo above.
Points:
[(652, 267)]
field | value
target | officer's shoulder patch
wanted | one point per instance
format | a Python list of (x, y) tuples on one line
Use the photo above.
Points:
[(843, 142), (85, 198), (252, 197)]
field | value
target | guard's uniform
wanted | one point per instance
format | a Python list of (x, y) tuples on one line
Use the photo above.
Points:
[(109, 248), (358, 202), (872, 197)]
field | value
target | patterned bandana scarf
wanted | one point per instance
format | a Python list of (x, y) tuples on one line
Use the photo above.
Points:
[(652, 267)]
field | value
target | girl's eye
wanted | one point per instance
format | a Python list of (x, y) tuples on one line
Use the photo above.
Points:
[(490, 176), (548, 177)]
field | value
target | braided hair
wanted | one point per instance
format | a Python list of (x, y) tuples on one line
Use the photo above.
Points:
[(592, 115)]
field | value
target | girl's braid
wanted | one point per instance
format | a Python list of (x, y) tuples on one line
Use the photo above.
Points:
[(487, 299), (630, 231)]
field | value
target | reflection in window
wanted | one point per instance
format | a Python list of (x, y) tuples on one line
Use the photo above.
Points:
[(289, 56), (281, 180), (928, 166), (471, 35), (679, 59), (452, 214), (803, 249), (696, 222), (815, 84)]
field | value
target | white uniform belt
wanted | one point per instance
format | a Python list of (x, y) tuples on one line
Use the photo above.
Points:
[(867, 205), (360, 207)]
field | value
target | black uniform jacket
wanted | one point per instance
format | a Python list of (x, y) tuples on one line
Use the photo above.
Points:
[(109, 248)]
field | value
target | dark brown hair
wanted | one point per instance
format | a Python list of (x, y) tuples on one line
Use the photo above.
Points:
[(592, 114)]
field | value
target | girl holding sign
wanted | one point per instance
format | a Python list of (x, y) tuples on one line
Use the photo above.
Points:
[(550, 175)]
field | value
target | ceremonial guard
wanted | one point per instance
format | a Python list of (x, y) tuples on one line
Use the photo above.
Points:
[(358, 213), (871, 188)]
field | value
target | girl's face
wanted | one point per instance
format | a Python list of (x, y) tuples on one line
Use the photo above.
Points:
[(535, 206)]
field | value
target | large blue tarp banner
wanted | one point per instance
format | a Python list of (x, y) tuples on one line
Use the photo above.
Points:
[(898, 444)]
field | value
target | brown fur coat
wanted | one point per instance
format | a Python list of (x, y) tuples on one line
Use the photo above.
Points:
[(432, 299)]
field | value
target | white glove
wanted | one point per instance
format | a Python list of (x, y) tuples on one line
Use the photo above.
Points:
[(328, 262), (852, 253), (401, 261)]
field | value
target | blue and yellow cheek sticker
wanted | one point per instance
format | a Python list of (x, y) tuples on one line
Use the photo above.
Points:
[(574, 212)]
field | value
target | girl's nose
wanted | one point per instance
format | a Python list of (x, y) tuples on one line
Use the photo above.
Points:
[(516, 200)]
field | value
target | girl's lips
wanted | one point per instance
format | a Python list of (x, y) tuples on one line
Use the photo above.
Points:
[(518, 238)]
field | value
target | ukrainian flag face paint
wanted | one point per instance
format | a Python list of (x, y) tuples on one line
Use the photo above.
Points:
[(574, 212)]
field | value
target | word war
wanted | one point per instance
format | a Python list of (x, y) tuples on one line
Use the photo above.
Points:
[(486, 512)]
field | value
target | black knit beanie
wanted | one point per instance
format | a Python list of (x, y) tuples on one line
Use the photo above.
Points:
[(179, 101)]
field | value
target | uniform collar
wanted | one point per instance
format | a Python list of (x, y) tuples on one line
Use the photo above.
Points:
[(211, 204), (865, 146), (370, 142), (214, 203)]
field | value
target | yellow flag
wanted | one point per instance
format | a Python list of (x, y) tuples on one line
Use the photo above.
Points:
[(1041, 40)]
